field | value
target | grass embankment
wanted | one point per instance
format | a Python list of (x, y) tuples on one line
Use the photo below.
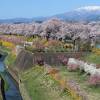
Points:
[(6, 86), (41, 86), (0, 93), (8, 61), (92, 91)]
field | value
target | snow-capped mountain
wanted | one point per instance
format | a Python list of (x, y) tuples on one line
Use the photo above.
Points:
[(89, 8), (88, 13)]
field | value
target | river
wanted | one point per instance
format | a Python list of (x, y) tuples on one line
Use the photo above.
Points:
[(12, 93)]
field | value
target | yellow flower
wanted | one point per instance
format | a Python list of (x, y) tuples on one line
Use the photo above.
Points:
[(8, 44)]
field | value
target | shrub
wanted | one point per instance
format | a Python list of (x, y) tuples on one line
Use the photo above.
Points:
[(40, 61), (63, 59), (72, 64), (96, 51), (8, 44), (38, 46), (29, 48), (72, 67), (0, 43), (68, 46), (98, 65), (94, 79), (53, 71)]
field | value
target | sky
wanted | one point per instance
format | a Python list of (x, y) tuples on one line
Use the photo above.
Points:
[(34, 8)]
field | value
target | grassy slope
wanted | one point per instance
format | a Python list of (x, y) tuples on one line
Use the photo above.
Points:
[(8, 61), (42, 87), (81, 79), (10, 57), (93, 58)]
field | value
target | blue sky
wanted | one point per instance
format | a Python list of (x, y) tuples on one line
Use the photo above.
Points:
[(34, 8)]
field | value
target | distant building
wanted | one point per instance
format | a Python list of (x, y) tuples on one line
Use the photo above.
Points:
[(28, 43)]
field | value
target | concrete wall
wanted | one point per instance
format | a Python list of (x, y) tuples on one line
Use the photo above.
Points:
[(27, 60)]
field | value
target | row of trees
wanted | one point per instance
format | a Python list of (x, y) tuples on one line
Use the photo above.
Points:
[(54, 27), (57, 29)]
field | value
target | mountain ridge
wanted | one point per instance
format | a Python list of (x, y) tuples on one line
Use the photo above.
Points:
[(87, 13)]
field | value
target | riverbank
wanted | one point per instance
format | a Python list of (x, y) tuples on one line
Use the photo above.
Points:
[(34, 84), (41, 86), (12, 93), (1, 98)]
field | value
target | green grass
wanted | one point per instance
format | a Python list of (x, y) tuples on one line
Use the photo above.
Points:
[(30, 39), (93, 58), (9, 60), (6, 87), (5, 49), (92, 91), (43, 87)]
